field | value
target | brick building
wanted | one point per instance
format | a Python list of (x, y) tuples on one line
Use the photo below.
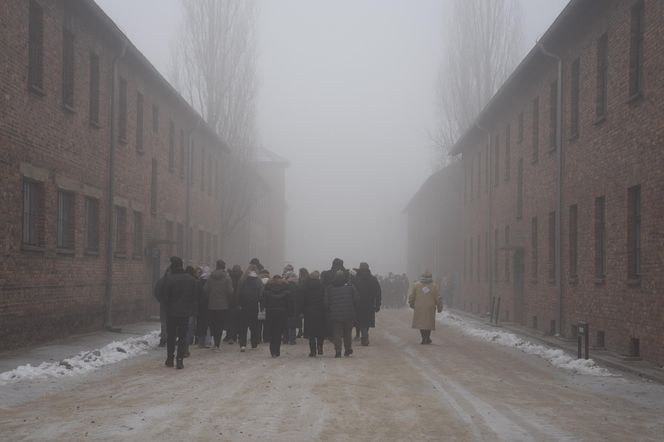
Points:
[(563, 173), (96, 192)]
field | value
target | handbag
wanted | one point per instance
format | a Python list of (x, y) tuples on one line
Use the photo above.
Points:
[(261, 315)]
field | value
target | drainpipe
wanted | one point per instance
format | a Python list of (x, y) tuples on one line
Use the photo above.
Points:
[(490, 204), (559, 185), (189, 183), (108, 319)]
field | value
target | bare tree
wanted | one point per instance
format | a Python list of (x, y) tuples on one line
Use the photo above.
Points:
[(214, 68), (484, 40)]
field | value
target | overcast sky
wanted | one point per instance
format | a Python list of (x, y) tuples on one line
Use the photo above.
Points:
[(347, 95)]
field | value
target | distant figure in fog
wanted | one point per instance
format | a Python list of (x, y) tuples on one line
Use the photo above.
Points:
[(425, 299), (219, 291), (341, 302), (158, 294), (313, 306), (249, 293), (178, 294), (202, 317), (275, 301)]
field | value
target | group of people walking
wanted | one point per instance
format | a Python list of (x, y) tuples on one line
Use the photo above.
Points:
[(272, 308)]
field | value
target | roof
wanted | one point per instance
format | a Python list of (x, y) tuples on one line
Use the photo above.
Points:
[(116, 32), (432, 182), (264, 155), (557, 29)]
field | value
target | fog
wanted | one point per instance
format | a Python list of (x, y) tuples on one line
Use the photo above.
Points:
[(347, 93)]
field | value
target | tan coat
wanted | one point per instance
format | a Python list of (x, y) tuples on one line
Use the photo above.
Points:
[(425, 299)]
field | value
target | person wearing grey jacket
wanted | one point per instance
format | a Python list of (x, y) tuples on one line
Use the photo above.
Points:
[(341, 301), (220, 295)]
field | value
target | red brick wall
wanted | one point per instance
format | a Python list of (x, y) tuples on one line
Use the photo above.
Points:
[(45, 293), (606, 159)]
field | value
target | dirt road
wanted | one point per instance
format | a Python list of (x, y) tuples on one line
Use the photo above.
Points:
[(456, 389)]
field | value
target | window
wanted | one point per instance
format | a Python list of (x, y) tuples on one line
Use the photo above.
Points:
[(171, 146), (507, 253), (470, 259), (634, 232), (155, 118), (33, 213), (479, 240), (36, 47), (508, 158), (139, 122), (573, 242), (574, 98), (636, 50), (201, 246), (552, 246), (535, 130), (180, 240), (602, 75), (91, 240), (496, 161), (520, 129), (182, 153), (68, 69), (534, 247), (486, 257), (495, 255), (553, 117), (600, 237), (94, 88), (137, 250), (153, 187), (169, 238), (519, 189), (65, 230), (120, 233), (465, 257), (122, 110)]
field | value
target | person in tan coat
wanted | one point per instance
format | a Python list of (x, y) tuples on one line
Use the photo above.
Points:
[(425, 299)]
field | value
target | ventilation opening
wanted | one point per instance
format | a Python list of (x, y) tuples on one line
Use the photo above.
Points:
[(575, 331), (600, 339), (535, 322), (552, 327), (634, 347)]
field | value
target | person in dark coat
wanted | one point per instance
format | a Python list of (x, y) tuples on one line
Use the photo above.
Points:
[(158, 295), (202, 317), (233, 323), (328, 275), (275, 302), (219, 291), (369, 292), (257, 263), (178, 292), (313, 306), (341, 302), (250, 291)]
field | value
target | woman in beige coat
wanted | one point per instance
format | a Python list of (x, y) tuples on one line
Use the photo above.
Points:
[(425, 299)]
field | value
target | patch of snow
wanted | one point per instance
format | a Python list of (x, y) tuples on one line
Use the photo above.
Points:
[(85, 361), (556, 357)]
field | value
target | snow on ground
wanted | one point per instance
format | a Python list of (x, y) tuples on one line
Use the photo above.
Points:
[(557, 358), (85, 361)]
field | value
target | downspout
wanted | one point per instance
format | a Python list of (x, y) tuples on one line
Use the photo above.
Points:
[(108, 295), (490, 204), (189, 183), (559, 185)]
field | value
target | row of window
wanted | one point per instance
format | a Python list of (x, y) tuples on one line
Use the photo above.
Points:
[(473, 179), (207, 243), (209, 179), (473, 256)]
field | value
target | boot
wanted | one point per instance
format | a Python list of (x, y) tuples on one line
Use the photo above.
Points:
[(320, 348), (348, 352), (162, 343), (169, 362), (180, 364), (337, 354), (312, 349), (365, 342)]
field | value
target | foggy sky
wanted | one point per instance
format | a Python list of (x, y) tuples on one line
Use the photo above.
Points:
[(347, 95)]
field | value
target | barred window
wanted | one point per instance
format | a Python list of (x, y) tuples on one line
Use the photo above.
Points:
[(153, 187), (65, 230), (634, 232), (534, 263), (636, 49), (535, 129), (36, 47), (552, 246), (91, 225), (519, 189), (573, 241), (33, 213), (68, 63), (600, 237), (575, 81), (120, 231), (553, 117), (602, 75), (495, 255)]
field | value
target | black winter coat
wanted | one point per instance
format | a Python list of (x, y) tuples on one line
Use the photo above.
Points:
[(341, 302), (369, 292), (275, 298), (313, 307), (179, 291), (249, 294)]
